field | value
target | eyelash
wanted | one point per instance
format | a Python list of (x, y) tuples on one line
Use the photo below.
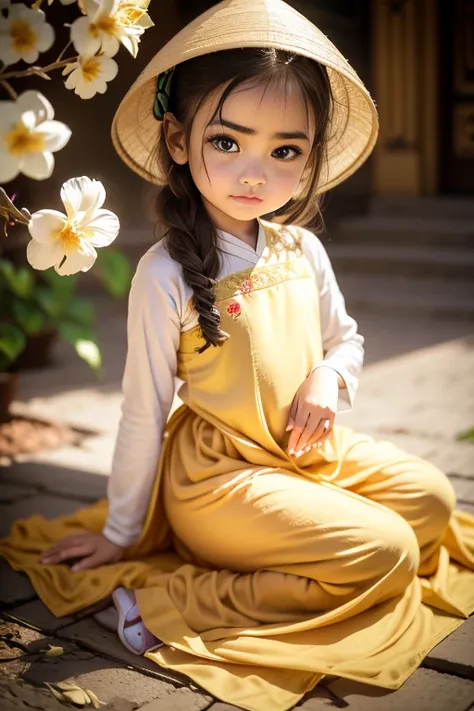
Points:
[(223, 137)]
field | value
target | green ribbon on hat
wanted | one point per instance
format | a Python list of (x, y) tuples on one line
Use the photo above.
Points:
[(162, 95)]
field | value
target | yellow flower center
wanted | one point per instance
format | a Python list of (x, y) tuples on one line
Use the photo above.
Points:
[(21, 140), (106, 24), (70, 240), (91, 69), (22, 35), (129, 14)]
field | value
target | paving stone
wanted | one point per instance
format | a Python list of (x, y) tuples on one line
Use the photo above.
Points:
[(21, 635), (93, 636), (15, 588), (425, 393), (57, 479), (43, 505), (181, 700), (11, 492), (425, 690), (464, 488), (108, 679), (455, 457), (455, 654), (18, 696), (36, 615)]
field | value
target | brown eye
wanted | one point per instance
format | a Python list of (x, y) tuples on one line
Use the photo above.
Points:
[(225, 141)]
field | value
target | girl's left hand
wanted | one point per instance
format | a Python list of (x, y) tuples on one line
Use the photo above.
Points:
[(314, 404)]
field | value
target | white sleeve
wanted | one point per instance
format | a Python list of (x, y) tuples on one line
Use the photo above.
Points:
[(343, 346), (153, 329)]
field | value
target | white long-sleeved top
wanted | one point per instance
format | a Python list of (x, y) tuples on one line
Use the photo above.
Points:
[(159, 310)]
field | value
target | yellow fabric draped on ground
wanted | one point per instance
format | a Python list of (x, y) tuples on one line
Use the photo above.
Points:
[(262, 574)]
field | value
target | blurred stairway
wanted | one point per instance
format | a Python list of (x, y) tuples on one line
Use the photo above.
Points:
[(407, 257)]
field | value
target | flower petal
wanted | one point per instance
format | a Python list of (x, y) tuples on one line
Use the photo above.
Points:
[(102, 229), (130, 43), (35, 101), (108, 68), (86, 90), (71, 195), (7, 55), (55, 134), (79, 260), (146, 22), (44, 256), (38, 166), (29, 55), (110, 44), (10, 115), (82, 195), (9, 166), (46, 37), (69, 68), (45, 225), (83, 40)]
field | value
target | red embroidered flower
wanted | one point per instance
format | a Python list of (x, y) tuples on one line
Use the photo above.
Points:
[(246, 286), (234, 309)]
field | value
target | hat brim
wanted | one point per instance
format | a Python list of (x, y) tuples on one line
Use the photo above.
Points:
[(235, 24)]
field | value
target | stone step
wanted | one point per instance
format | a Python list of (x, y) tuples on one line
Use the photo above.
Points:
[(404, 230), (437, 207), (394, 259), (395, 295)]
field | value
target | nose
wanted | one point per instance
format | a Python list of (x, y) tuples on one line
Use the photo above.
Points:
[(254, 177)]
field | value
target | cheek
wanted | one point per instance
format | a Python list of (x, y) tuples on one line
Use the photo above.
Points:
[(288, 177), (218, 170)]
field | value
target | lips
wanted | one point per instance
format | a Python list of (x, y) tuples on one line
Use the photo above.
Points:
[(253, 198)]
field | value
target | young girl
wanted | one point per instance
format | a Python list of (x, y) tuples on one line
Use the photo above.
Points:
[(267, 546)]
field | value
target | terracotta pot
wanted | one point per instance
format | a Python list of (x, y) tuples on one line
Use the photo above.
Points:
[(8, 391)]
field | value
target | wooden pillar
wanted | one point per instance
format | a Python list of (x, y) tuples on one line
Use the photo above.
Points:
[(405, 79)]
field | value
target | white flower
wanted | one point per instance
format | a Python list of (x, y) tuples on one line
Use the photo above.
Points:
[(29, 137), (90, 75), (109, 22), (24, 34), (66, 242)]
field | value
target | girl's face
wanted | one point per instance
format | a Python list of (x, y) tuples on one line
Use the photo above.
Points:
[(260, 148)]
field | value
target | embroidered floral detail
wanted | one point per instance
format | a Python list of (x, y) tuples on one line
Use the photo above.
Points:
[(262, 277), (246, 286), (234, 309)]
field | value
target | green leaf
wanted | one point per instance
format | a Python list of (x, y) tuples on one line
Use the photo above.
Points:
[(49, 302), (114, 271), (29, 316), (60, 284), (12, 341), (90, 352), (21, 281), (467, 435), (80, 311), (84, 342)]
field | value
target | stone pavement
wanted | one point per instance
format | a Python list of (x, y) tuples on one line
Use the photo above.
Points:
[(417, 390)]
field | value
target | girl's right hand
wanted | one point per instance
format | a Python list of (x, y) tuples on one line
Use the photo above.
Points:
[(91, 548)]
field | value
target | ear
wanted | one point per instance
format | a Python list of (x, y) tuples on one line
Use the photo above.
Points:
[(175, 138)]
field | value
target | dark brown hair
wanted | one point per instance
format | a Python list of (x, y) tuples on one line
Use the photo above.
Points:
[(191, 237)]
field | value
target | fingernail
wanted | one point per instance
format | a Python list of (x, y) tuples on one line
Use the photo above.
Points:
[(291, 452), (75, 568)]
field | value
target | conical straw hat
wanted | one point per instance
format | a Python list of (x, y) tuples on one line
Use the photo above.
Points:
[(251, 23)]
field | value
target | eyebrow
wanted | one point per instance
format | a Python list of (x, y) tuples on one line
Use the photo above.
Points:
[(252, 131)]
